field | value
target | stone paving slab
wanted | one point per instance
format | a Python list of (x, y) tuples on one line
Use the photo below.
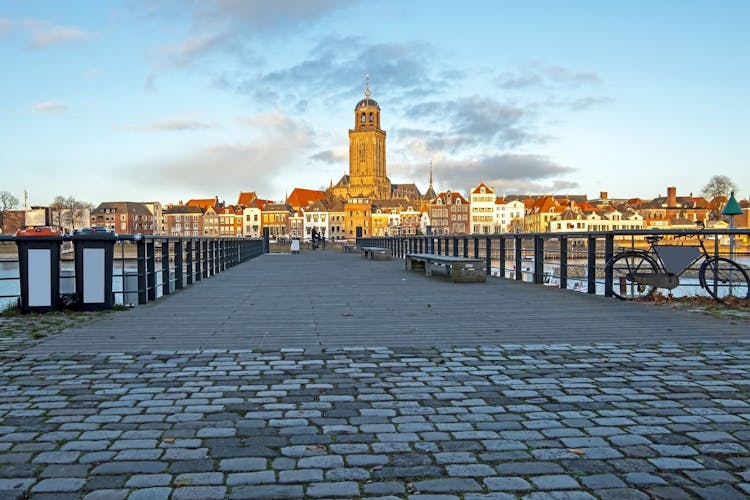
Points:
[(607, 421)]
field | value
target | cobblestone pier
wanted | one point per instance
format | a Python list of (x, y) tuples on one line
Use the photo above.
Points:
[(607, 420)]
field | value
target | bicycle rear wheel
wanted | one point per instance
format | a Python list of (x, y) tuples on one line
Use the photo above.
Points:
[(623, 265), (723, 278)]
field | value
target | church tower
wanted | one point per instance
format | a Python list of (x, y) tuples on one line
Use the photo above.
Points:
[(367, 176)]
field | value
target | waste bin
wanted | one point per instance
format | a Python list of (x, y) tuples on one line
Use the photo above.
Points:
[(295, 246), (94, 252), (39, 269)]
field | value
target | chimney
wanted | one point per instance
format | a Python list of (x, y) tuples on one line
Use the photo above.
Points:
[(671, 196), (603, 195)]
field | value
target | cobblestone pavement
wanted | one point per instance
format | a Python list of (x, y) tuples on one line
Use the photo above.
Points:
[(605, 421)]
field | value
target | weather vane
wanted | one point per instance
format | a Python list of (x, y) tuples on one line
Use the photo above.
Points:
[(367, 86)]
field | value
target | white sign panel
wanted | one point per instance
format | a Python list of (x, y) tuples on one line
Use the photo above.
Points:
[(93, 275), (40, 281)]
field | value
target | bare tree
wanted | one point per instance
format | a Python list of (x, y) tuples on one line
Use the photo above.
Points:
[(719, 186), (69, 211), (7, 201)]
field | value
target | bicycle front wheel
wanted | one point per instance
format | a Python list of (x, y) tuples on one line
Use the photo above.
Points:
[(623, 266), (723, 279)]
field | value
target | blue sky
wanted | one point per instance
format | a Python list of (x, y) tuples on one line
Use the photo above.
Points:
[(171, 100)]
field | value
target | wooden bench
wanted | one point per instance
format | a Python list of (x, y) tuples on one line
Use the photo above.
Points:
[(348, 247), (376, 253), (460, 269)]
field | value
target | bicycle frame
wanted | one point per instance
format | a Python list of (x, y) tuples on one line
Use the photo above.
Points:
[(676, 259)]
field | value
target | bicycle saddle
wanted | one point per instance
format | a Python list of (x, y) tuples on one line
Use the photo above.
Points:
[(653, 239)]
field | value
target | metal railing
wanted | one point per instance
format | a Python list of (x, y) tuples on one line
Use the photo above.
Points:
[(146, 267), (571, 260)]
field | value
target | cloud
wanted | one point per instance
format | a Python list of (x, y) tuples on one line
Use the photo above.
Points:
[(537, 75), (188, 51), (48, 107), (178, 125), (271, 156), (332, 156), (335, 69), (231, 26), (513, 173), (259, 15), (470, 122), (43, 34), (584, 103)]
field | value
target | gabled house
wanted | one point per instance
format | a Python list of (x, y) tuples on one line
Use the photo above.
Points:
[(211, 225), (541, 212), (509, 215), (252, 219), (449, 214), (482, 209), (316, 217), (183, 220), (230, 221), (275, 217), (124, 217)]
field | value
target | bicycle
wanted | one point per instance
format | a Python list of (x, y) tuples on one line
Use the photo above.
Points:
[(636, 274)]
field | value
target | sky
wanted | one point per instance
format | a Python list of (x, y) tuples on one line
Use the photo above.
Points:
[(172, 100)]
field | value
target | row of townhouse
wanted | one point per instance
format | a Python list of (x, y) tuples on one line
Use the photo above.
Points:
[(306, 212)]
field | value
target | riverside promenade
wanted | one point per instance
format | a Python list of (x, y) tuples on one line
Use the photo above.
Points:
[(324, 375)]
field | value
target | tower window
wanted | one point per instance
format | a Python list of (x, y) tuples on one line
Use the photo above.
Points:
[(370, 117), (362, 118)]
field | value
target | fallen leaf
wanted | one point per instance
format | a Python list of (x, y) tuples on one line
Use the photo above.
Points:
[(317, 447), (577, 451), (411, 489), (376, 467), (168, 440)]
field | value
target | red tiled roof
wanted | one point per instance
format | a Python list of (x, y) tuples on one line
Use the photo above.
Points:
[(246, 198), (477, 190), (203, 203), (302, 197)]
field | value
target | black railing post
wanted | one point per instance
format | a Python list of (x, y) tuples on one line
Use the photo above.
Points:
[(564, 262), (189, 259), (591, 270), (476, 246), (206, 262), (488, 255), (466, 247), (439, 246), (151, 269), (501, 253), (141, 263), (519, 256), (538, 260), (178, 277), (165, 267), (609, 251), (216, 243), (455, 246), (198, 260)]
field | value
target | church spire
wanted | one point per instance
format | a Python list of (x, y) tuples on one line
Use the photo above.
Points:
[(367, 86), (430, 174)]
